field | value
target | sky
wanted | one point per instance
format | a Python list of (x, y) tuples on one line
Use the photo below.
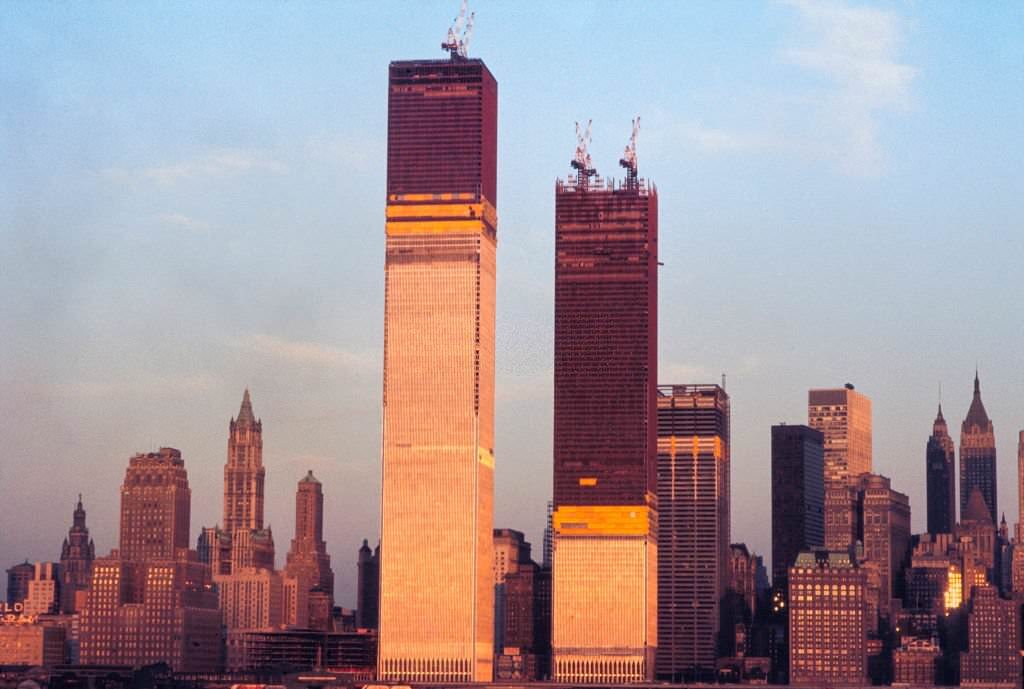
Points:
[(192, 197)]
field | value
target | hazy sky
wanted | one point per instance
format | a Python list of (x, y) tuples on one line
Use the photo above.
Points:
[(192, 196)]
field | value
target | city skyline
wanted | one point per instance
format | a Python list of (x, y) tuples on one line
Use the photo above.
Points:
[(84, 369)]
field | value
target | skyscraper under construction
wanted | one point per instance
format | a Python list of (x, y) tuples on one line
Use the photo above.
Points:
[(436, 584), (605, 520)]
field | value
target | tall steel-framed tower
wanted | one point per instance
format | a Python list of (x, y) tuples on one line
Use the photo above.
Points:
[(605, 518), (436, 584)]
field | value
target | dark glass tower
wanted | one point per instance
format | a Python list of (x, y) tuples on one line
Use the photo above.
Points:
[(978, 456), (941, 483), (693, 528), (798, 496)]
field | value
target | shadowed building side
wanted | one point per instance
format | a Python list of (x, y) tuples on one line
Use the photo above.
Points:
[(941, 482)]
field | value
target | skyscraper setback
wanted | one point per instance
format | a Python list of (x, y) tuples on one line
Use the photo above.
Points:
[(436, 597), (605, 520), (693, 527), (941, 482), (978, 455)]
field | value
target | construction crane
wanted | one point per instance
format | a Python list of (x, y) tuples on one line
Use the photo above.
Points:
[(581, 161), (459, 33), (628, 159)]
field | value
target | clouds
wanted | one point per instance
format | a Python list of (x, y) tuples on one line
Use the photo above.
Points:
[(855, 50), (306, 353), (835, 77), (216, 164)]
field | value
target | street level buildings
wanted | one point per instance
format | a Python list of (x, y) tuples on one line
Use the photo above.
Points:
[(152, 600), (827, 620), (798, 496), (843, 416), (693, 528), (978, 456), (605, 432), (940, 459), (438, 401), (993, 658)]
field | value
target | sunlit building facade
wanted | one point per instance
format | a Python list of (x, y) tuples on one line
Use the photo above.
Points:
[(693, 528), (843, 415), (827, 620), (436, 585), (993, 658), (605, 517)]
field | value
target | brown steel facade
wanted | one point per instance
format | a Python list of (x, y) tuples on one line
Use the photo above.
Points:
[(606, 332), (605, 518), (693, 527), (437, 596)]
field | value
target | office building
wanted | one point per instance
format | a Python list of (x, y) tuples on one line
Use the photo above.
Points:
[(44, 592), (827, 620), (18, 577), (978, 456), (155, 502), (940, 458), (884, 529), (438, 416), (308, 561), (798, 496), (605, 431), (843, 416), (152, 600), (693, 528), (993, 658)]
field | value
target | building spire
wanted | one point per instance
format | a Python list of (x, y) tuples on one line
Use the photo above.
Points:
[(245, 414), (976, 414)]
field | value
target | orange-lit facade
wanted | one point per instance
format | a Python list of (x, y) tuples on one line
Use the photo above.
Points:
[(436, 579), (827, 620), (155, 503), (604, 578), (843, 416), (693, 528)]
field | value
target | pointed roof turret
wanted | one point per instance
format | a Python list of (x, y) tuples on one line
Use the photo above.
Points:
[(976, 415), (977, 510), (309, 478), (939, 426), (245, 415)]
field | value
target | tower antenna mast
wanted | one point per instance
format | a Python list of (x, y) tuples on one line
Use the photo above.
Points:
[(581, 161), (628, 159)]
